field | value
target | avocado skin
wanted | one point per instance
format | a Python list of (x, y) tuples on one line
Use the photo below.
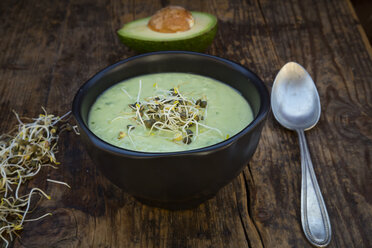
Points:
[(196, 44)]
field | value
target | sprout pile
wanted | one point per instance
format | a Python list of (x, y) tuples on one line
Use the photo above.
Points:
[(169, 111), (23, 153)]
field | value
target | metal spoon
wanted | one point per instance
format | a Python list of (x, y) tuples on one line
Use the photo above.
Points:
[(296, 106)]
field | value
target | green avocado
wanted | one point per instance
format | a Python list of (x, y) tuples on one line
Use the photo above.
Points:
[(137, 36)]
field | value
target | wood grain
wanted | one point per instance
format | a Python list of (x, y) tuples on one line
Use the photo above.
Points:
[(49, 48)]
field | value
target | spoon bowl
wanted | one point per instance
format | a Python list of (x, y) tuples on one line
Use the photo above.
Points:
[(294, 99), (296, 105)]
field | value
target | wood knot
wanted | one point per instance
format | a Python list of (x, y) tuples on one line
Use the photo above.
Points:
[(263, 215)]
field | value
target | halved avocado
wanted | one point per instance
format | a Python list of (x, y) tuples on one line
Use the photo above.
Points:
[(138, 36)]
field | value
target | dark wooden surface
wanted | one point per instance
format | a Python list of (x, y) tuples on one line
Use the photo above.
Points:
[(363, 9), (49, 48)]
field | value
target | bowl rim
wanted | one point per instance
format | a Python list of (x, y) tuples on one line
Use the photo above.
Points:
[(115, 150)]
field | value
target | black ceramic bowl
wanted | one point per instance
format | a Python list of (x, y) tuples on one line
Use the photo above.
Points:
[(174, 180)]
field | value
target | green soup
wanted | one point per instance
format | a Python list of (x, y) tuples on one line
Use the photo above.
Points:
[(214, 112)]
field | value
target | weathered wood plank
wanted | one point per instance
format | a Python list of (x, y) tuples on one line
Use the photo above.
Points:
[(322, 36)]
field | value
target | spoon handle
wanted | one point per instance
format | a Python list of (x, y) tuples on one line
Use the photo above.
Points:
[(314, 215)]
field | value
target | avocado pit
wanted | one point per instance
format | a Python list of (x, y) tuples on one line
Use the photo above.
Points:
[(171, 19)]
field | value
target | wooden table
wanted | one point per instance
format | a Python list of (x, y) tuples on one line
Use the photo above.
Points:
[(50, 48)]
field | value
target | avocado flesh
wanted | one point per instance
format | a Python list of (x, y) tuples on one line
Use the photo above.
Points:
[(140, 38)]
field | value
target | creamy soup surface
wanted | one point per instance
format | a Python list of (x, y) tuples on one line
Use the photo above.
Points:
[(112, 119)]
